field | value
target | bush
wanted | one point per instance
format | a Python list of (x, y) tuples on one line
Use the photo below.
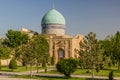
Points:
[(13, 64), (111, 75), (88, 71), (67, 66), (97, 69)]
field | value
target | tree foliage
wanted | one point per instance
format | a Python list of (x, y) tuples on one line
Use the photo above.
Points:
[(15, 38), (4, 52), (111, 47), (90, 52), (34, 50), (116, 48), (41, 47), (67, 66), (107, 46)]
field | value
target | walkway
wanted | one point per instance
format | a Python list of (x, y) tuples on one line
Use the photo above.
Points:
[(4, 77)]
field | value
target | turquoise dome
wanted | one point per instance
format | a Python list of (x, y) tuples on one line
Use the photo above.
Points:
[(53, 17)]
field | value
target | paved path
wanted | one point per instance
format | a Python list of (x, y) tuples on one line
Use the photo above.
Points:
[(5, 75)]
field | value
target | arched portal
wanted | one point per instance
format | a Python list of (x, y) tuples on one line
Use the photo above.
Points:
[(60, 54)]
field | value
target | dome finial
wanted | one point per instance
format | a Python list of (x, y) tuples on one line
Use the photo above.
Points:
[(53, 7)]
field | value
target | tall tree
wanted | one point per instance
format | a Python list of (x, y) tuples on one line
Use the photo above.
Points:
[(14, 40), (28, 55), (116, 48), (107, 46), (111, 47), (41, 49), (90, 52), (34, 51)]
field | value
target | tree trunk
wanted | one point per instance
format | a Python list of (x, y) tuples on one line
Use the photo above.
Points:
[(30, 70), (45, 68), (37, 68), (26, 67), (118, 64), (92, 72)]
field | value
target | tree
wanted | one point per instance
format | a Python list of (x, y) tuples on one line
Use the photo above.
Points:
[(116, 48), (34, 51), (67, 66), (13, 64), (15, 38), (107, 46), (4, 52), (28, 55), (41, 50), (111, 47), (90, 52)]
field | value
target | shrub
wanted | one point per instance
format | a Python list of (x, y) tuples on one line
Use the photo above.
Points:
[(67, 66), (13, 64), (111, 75), (88, 71), (97, 69)]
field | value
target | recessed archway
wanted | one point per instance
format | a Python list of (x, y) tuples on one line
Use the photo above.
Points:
[(61, 54)]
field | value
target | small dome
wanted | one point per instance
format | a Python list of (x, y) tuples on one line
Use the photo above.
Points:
[(53, 17)]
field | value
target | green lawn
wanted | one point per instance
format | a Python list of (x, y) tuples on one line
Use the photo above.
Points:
[(52, 78), (104, 72), (19, 69)]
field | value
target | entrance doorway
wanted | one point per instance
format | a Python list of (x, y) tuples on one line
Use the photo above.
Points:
[(60, 54)]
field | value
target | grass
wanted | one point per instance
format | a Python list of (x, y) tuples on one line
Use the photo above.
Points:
[(52, 78), (19, 69), (104, 72)]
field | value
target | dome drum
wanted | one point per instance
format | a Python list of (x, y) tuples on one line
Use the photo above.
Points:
[(53, 29)]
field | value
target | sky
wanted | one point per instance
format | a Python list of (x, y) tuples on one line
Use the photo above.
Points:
[(82, 16)]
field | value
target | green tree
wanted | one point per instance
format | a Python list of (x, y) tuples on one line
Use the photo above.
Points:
[(41, 50), (107, 46), (67, 66), (34, 50), (111, 47), (15, 38), (4, 52), (28, 55), (13, 64), (116, 48), (90, 52)]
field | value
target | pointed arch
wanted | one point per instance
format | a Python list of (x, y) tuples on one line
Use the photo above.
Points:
[(61, 53)]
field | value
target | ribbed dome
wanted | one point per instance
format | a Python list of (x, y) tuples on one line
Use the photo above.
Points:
[(53, 17)]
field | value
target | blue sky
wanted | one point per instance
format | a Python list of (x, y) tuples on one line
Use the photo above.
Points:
[(82, 16)]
